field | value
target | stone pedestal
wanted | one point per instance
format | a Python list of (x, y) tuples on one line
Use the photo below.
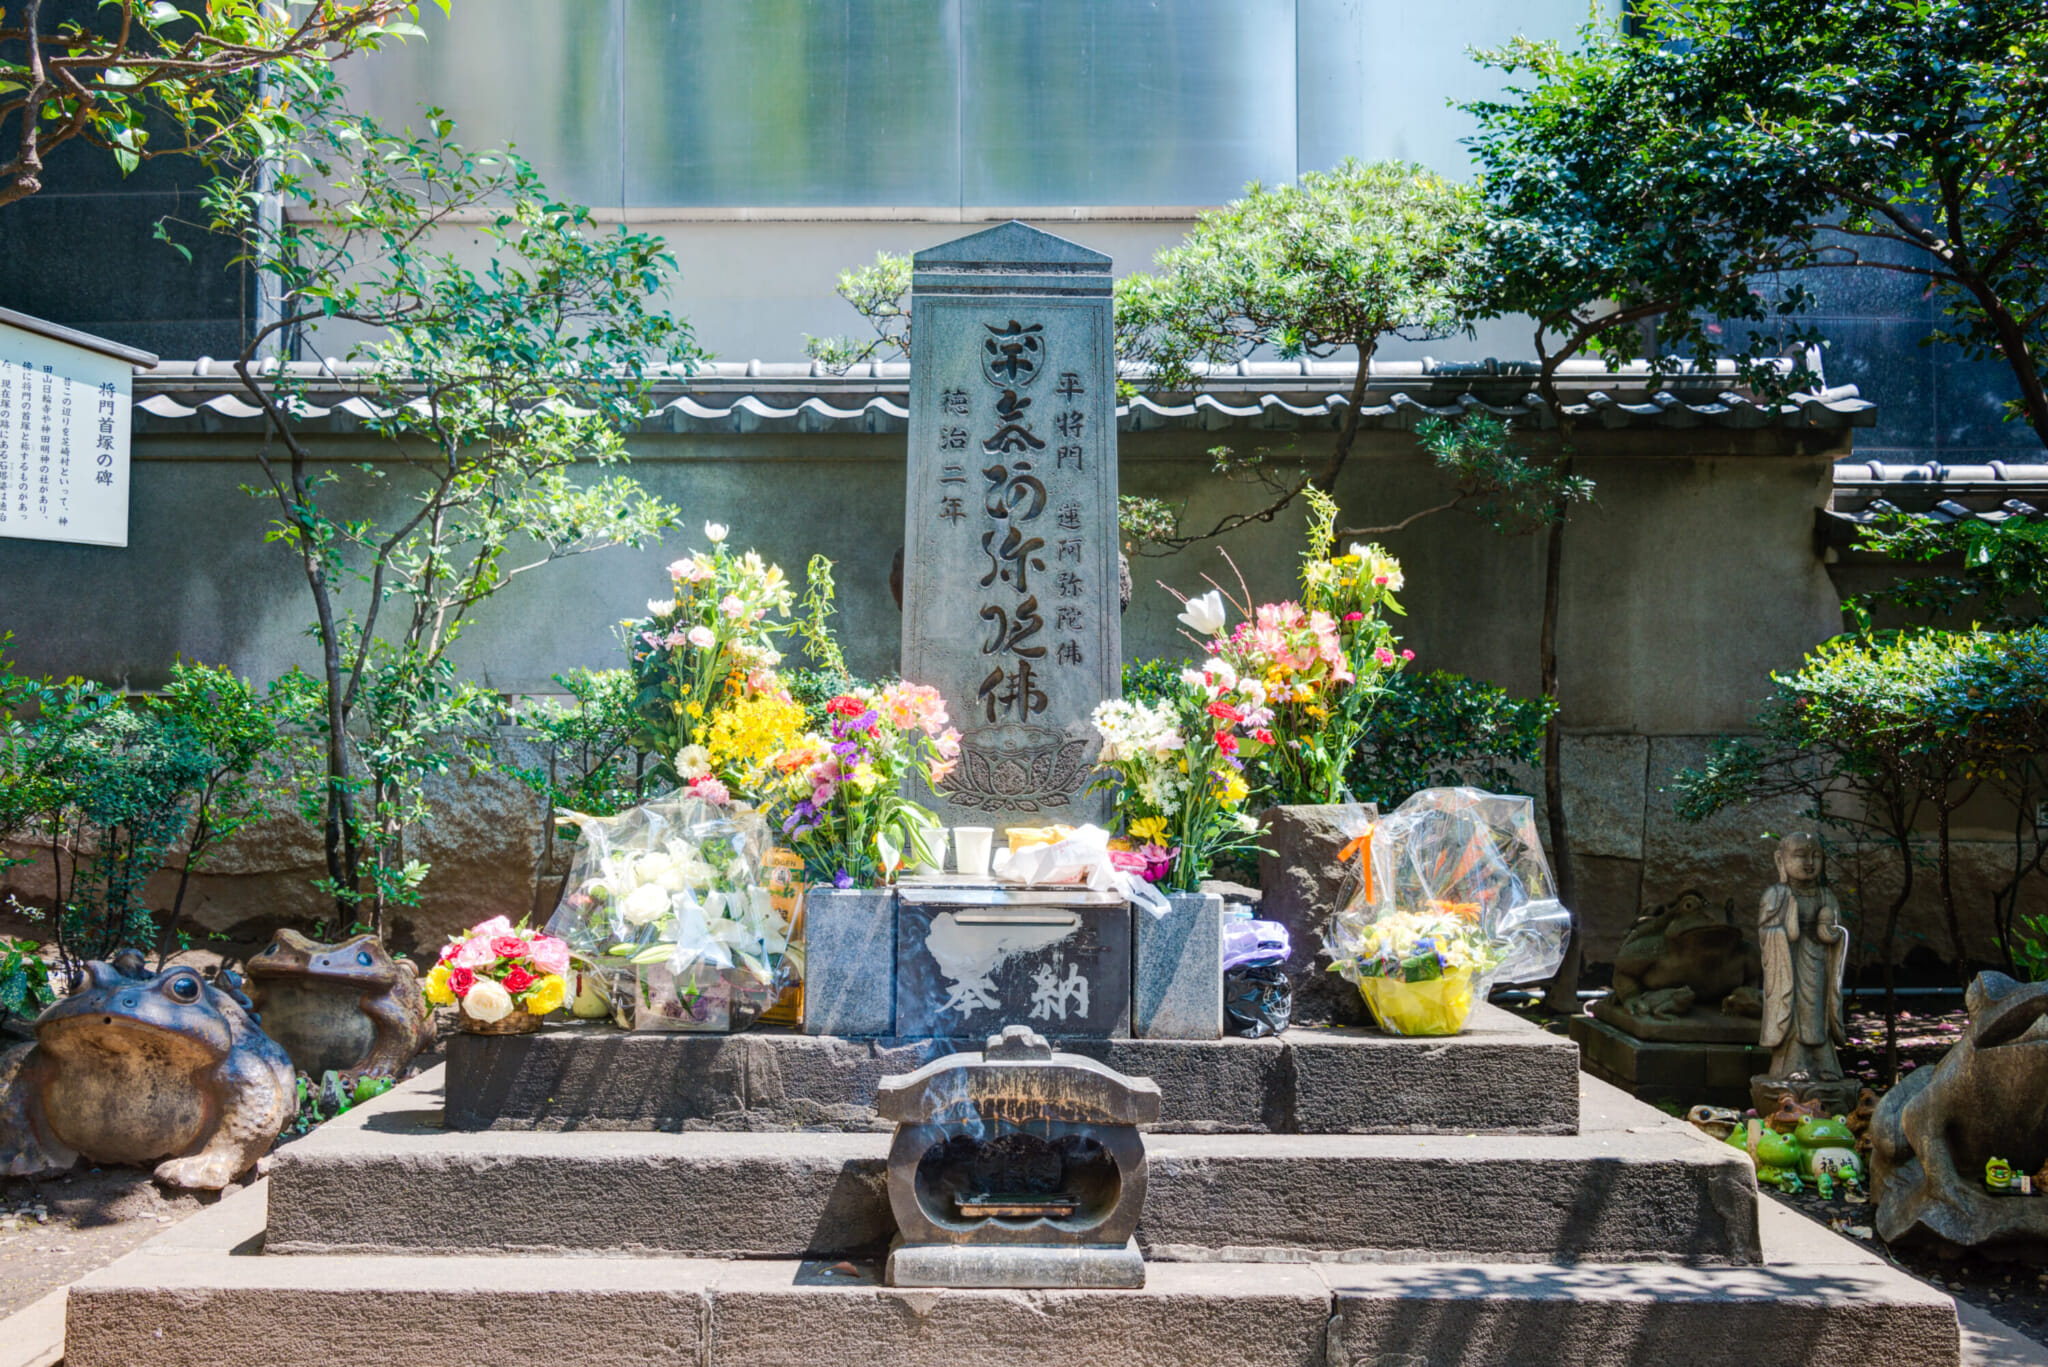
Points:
[(1688, 1074), (1836, 1095), (972, 959), (850, 961), (1177, 969), (1303, 883)]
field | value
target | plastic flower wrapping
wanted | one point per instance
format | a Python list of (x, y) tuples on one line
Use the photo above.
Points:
[(1453, 885), (673, 904), (495, 968)]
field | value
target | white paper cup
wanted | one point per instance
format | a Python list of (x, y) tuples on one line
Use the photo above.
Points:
[(970, 850)]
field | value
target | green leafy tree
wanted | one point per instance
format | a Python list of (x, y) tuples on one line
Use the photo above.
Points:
[(147, 78), (588, 760), (489, 391), (1896, 136), (879, 293), (1335, 264), (236, 728)]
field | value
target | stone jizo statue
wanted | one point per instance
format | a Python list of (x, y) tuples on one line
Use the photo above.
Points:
[(1805, 947)]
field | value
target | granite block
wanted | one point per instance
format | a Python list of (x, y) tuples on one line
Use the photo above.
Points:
[(849, 961), (1177, 969)]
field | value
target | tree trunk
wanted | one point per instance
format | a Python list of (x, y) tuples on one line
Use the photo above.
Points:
[(1903, 840), (1561, 993)]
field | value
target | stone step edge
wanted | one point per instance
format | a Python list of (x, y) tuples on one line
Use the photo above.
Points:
[(199, 1294)]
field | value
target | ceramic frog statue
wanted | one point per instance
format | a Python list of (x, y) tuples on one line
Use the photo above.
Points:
[(135, 1068), (350, 1007), (1821, 1146)]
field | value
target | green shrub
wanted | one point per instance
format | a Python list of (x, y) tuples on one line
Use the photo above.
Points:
[(1445, 730)]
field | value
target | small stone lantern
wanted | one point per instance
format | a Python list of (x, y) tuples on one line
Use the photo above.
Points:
[(1017, 1167)]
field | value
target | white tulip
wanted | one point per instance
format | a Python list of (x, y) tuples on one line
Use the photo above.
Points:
[(1205, 615), (487, 1001), (714, 532)]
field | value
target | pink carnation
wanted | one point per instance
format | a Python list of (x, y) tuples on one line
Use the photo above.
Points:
[(711, 790), (475, 952)]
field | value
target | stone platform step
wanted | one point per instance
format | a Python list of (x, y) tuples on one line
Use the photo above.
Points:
[(204, 1295), (1634, 1185), (1502, 1076)]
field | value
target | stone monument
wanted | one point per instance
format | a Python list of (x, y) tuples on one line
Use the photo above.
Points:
[(1010, 585), (1017, 1167), (1805, 946)]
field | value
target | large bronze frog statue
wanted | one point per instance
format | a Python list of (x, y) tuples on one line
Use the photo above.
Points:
[(136, 1067), (350, 1006), (1934, 1132)]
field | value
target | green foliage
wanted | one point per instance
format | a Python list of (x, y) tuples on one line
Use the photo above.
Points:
[(1152, 681), (2030, 947), (814, 623), (1496, 480), (589, 763), (881, 294), (811, 689), (1445, 730), (112, 789), (1146, 521), (1655, 174), (139, 68), (237, 729), (1996, 572), (24, 979), (490, 389)]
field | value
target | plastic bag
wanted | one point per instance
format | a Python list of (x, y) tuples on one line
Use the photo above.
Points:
[(671, 904), (1247, 942), (1453, 880), (1080, 857), (1258, 1000)]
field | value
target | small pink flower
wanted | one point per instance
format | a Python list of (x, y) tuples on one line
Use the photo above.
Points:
[(475, 952), (711, 790), (731, 605), (1354, 617), (549, 954), (1407, 654), (1383, 656), (702, 637), (1380, 579)]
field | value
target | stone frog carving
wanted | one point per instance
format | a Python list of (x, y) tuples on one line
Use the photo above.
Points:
[(350, 1007), (134, 1068), (1686, 971), (1933, 1133)]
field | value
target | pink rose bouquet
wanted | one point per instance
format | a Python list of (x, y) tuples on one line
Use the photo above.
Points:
[(496, 967)]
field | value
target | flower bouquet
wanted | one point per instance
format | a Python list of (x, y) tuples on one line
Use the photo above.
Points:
[(1316, 665), (671, 904), (843, 809), (503, 978), (1177, 768), (1454, 895), (1417, 969), (706, 649)]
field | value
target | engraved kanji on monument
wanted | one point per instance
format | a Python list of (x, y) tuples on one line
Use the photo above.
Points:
[(1010, 573)]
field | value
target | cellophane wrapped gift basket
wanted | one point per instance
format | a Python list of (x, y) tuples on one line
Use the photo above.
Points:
[(1454, 896), (674, 907)]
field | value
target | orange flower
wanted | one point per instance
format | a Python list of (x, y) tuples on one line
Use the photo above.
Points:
[(1464, 911)]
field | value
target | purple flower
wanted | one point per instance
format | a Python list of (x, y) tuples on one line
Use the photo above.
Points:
[(842, 880)]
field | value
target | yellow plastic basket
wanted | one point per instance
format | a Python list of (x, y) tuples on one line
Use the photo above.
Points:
[(1437, 1007)]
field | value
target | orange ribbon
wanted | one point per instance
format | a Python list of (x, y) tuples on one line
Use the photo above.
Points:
[(1362, 847)]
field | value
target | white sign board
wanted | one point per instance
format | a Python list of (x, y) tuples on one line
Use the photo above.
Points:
[(64, 415)]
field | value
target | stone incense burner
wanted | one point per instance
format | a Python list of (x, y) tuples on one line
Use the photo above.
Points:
[(1017, 1167)]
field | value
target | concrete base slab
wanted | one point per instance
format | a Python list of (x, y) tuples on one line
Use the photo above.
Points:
[(203, 1295), (1023, 1266), (1684, 1075), (1502, 1075)]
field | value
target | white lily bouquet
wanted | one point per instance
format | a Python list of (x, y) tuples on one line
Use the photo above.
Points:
[(669, 904)]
